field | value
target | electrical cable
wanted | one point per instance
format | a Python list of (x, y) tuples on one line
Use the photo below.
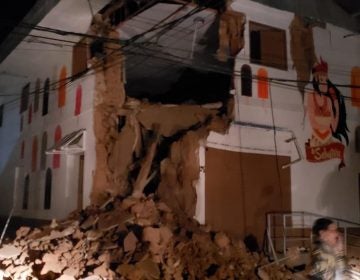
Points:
[(169, 47), (285, 79), (133, 39)]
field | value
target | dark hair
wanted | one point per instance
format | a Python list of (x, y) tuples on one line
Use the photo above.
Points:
[(321, 224)]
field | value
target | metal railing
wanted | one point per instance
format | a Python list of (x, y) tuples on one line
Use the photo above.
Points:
[(287, 223)]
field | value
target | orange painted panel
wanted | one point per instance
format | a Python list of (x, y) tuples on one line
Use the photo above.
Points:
[(355, 81), (62, 88), (34, 153), (263, 83), (57, 137), (78, 100)]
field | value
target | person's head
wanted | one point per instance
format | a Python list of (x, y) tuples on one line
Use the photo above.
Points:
[(325, 230), (320, 76)]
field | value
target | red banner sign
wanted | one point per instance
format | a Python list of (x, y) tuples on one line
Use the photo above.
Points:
[(326, 152)]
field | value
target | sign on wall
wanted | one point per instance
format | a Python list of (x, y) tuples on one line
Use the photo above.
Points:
[(327, 115)]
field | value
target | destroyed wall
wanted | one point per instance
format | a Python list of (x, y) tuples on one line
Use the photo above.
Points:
[(302, 51), (147, 147)]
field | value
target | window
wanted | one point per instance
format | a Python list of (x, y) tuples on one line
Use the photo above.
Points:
[(43, 149), (263, 83), (36, 95), (30, 114), (246, 80), (355, 81), (267, 46), (1, 114), (78, 100), (48, 182), (79, 58), (25, 202), (24, 102), (62, 88), (56, 157), (46, 97), (34, 153), (21, 122)]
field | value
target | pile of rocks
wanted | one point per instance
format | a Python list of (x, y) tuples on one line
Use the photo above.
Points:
[(131, 238)]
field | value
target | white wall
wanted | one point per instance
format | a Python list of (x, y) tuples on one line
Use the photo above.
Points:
[(316, 187), (32, 60)]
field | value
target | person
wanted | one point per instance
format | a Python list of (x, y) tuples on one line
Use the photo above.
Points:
[(327, 257)]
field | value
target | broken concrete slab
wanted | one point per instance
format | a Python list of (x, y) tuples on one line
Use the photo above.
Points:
[(9, 252)]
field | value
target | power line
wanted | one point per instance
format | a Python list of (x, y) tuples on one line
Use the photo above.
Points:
[(57, 30), (272, 79), (133, 39), (277, 81)]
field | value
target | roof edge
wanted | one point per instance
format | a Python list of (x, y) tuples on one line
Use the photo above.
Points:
[(34, 16)]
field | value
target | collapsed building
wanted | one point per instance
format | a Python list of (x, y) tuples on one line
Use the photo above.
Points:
[(162, 106)]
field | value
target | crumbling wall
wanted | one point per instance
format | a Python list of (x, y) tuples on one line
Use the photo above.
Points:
[(108, 100), (180, 172), (137, 142), (302, 51), (231, 34)]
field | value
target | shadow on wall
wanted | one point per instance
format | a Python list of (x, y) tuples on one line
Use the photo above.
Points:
[(339, 195)]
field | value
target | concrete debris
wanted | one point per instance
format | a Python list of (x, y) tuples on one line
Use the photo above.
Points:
[(172, 119), (9, 252), (180, 171), (133, 135), (155, 243), (302, 50), (231, 34)]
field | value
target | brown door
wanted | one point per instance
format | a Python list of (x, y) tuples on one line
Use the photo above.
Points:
[(240, 188)]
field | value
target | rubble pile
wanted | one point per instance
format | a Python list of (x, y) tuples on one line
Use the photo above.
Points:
[(133, 238)]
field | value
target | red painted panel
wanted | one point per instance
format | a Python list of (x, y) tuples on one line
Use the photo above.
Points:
[(263, 83), (78, 100), (57, 137)]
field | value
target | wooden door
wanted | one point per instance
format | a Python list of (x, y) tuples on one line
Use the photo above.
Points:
[(240, 188)]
